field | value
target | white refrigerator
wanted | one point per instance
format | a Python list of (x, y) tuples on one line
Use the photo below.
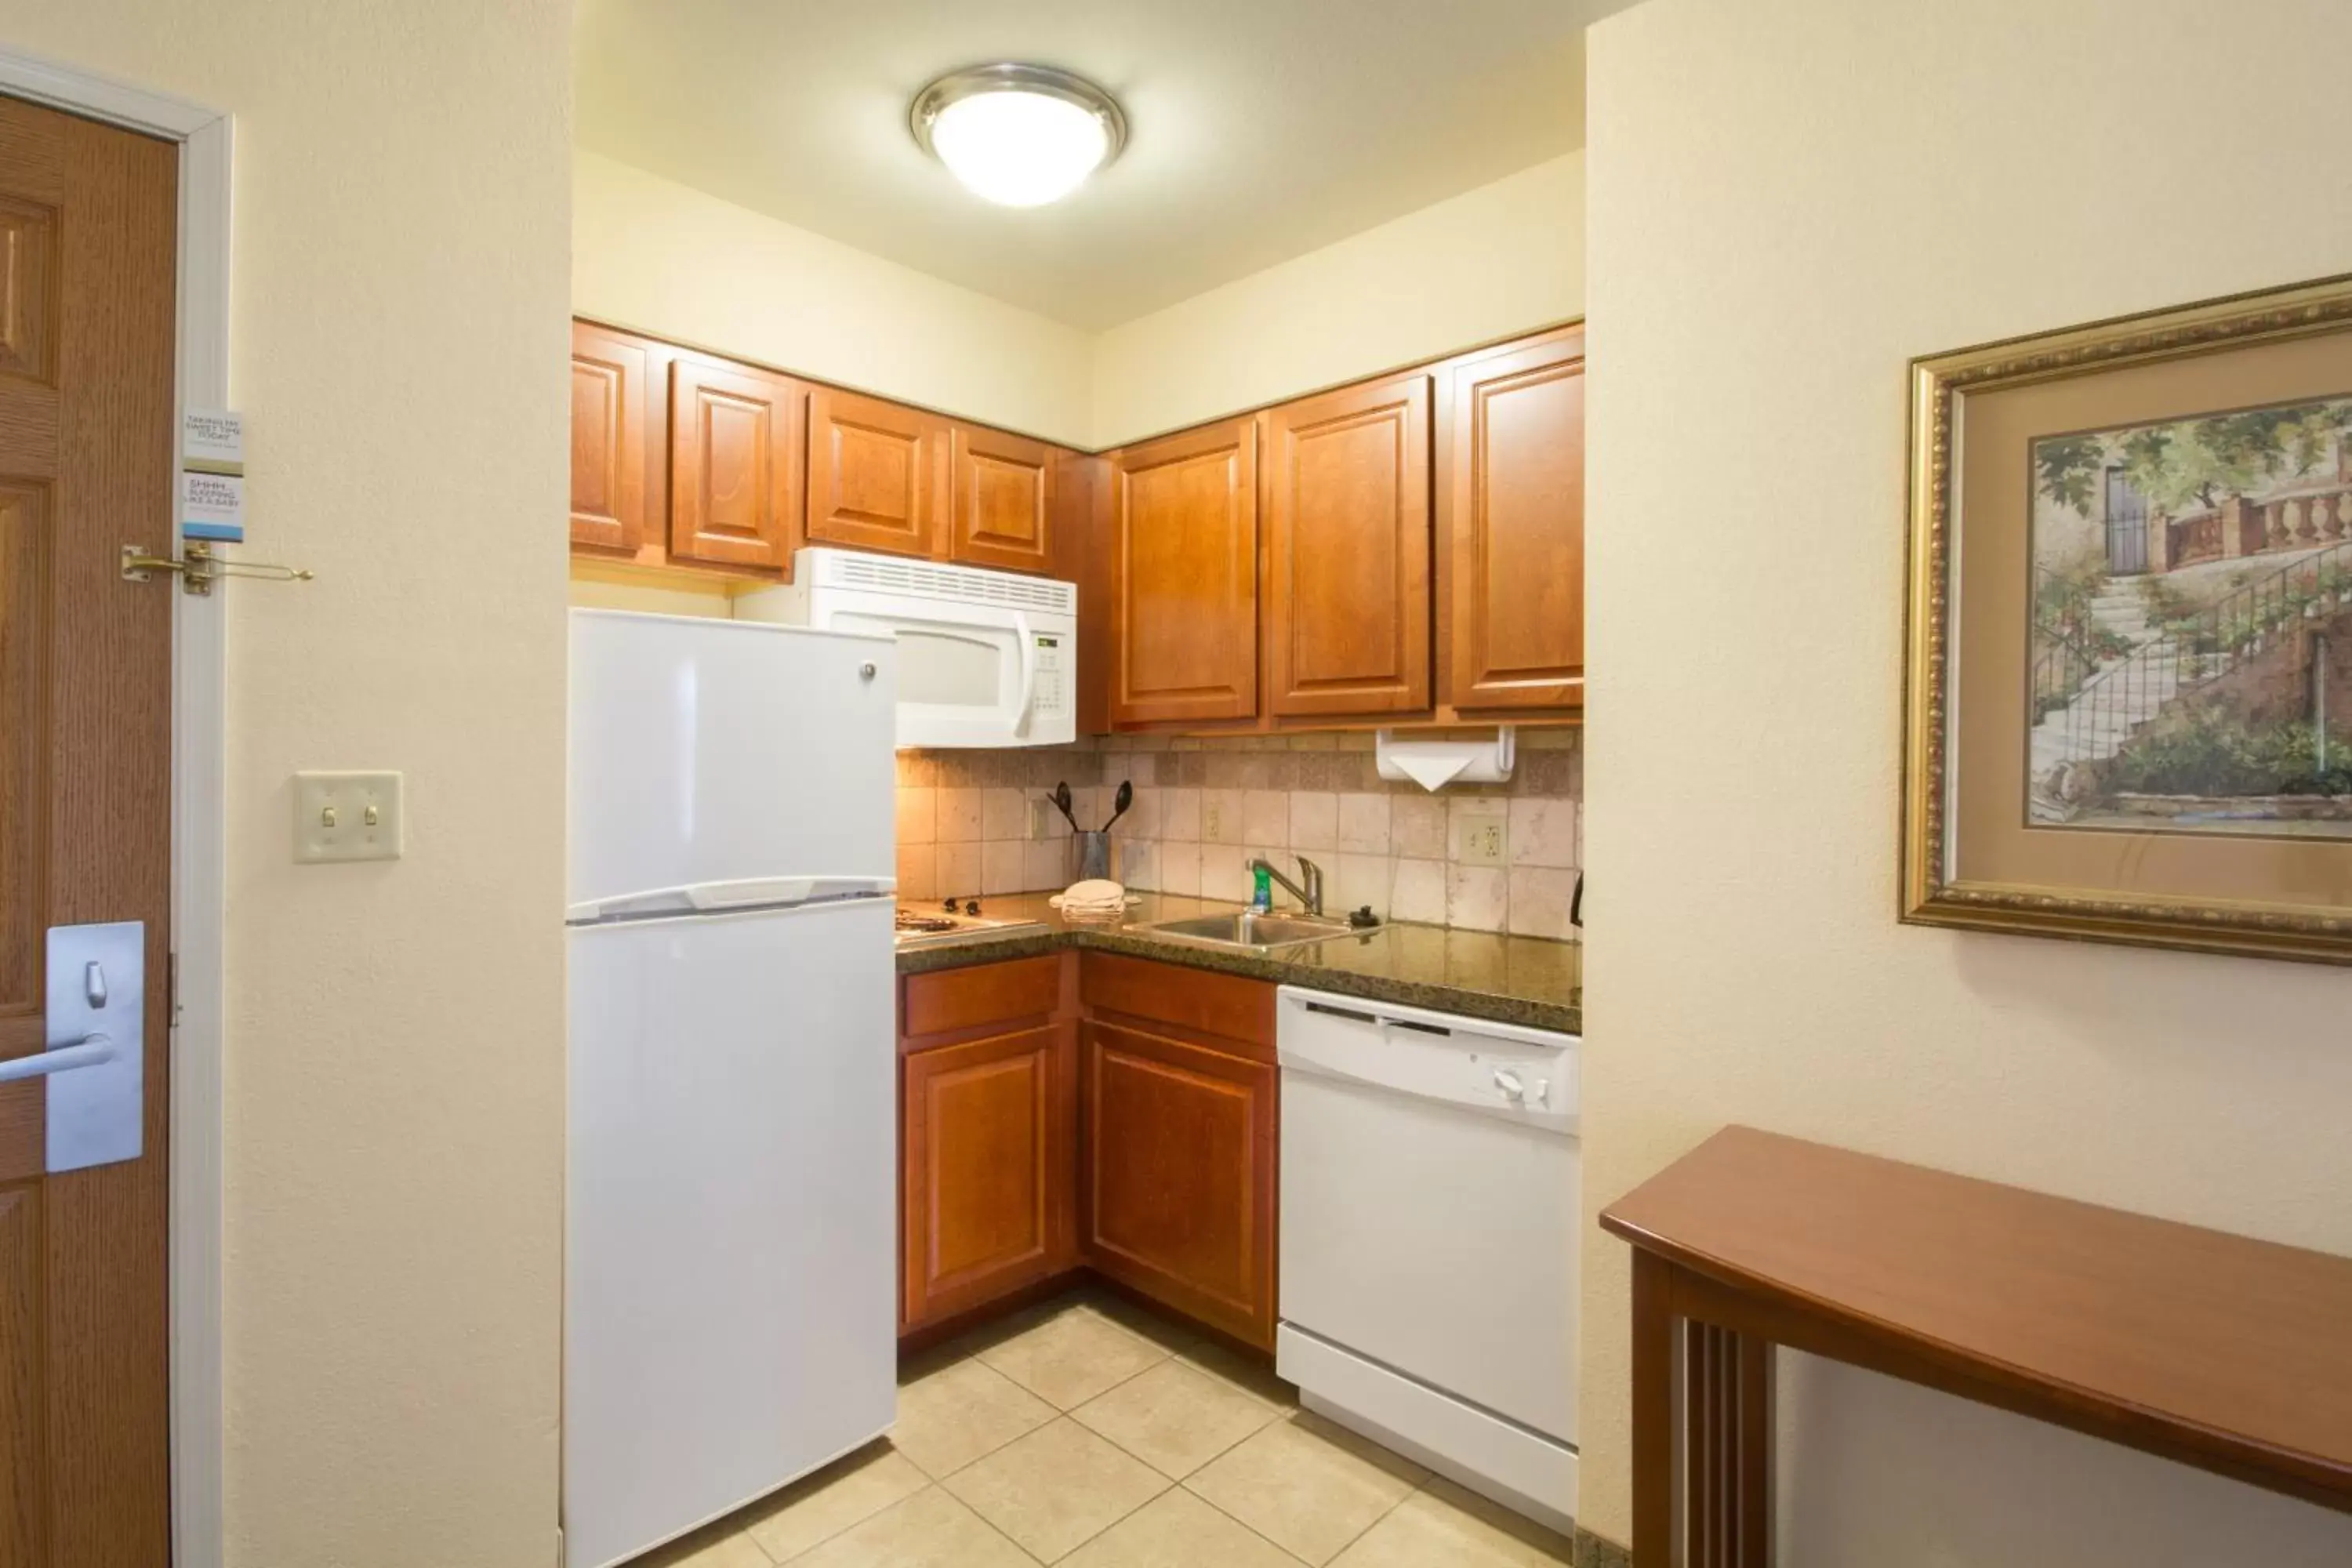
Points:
[(730, 1263)]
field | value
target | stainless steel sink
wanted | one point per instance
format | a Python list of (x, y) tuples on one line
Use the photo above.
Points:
[(1260, 933)]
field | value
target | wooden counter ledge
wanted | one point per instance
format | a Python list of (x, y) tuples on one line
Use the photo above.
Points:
[(2218, 1351)]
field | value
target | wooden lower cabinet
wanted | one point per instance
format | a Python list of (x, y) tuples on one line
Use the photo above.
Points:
[(1178, 1172), (988, 1172), (987, 1134), (1088, 1110), (1179, 1115)]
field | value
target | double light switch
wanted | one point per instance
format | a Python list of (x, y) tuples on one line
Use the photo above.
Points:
[(346, 816)]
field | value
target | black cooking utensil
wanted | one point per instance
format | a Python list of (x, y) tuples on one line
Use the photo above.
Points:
[(1120, 802), (1062, 799)]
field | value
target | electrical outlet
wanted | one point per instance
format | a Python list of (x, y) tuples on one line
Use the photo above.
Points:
[(1212, 822), (346, 816), (1479, 841), (1041, 816)]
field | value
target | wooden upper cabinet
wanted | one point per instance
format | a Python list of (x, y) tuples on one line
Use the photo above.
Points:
[(609, 371), (1347, 553), (874, 473), (1001, 505), (735, 463), (1184, 576), (1511, 520)]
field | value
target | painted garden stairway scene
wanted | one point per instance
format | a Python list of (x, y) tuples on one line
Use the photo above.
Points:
[(2120, 693)]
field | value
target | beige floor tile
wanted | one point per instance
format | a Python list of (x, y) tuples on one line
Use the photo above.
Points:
[(1308, 1486), (977, 1343), (1446, 1527), (1166, 1331), (956, 1414), (720, 1545), (1072, 1356), (1177, 1529), (1057, 1489), (1254, 1375), (929, 1529), (1175, 1417), (844, 1493)]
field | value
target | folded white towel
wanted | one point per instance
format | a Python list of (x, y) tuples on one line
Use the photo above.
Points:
[(1095, 896)]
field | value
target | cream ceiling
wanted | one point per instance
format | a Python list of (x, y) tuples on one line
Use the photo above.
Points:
[(1257, 129)]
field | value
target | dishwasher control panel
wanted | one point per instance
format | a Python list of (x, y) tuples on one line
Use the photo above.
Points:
[(1501, 1070)]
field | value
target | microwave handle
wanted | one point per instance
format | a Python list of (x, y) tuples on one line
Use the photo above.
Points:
[(1028, 673)]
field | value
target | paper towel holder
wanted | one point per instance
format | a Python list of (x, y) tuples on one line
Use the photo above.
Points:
[(1434, 764)]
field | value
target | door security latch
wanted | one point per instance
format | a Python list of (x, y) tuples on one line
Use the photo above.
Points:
[(199, 568)]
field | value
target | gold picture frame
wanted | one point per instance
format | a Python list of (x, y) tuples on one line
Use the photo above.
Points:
[(2123, 537)]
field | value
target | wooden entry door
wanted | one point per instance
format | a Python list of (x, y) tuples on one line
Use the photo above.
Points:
[(88, 227)]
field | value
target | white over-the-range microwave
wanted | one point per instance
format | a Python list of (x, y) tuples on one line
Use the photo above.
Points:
[(985, 658)]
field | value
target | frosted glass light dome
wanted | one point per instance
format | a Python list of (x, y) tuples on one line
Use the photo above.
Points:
[(1018, 135)]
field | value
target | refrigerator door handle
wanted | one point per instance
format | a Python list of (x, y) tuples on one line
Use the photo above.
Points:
[(745, 891), (742, 893)]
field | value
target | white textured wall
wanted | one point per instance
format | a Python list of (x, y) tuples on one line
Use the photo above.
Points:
[(395, 1068), (1505, 258), (679, 263), (1787, 202)]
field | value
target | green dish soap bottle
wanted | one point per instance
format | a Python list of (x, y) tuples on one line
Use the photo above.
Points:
[(1261, 892)]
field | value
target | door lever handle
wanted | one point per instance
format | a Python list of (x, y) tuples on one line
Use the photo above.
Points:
[(90, 1051), (93, 1075)]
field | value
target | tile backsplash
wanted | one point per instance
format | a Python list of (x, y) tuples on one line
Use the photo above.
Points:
[(1483, 857)]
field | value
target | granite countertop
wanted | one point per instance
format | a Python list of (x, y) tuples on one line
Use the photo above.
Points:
[(1479, 974)]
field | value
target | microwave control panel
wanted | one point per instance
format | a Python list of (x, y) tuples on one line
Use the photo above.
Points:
[(1052, 694)]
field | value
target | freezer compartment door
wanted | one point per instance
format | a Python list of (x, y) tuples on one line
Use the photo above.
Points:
[(730, 1256), (708, 751)]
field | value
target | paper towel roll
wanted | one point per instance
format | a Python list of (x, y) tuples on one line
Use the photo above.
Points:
[(1434, 764)]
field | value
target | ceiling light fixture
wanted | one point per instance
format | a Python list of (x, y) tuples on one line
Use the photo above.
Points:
[(1018, 135)]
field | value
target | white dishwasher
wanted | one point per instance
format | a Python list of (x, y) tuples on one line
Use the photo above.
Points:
[(1430, 1210)]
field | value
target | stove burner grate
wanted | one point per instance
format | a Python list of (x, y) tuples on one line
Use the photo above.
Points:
[(910, 921)]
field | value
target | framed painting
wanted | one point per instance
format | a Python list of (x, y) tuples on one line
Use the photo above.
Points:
[(2128, 707)]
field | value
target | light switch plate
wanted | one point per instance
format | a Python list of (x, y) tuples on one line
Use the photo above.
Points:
[(346, 816)]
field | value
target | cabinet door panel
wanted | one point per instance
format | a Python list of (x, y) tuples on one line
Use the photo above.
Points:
[(735, 463), (873, 474), (1002, 489), (1347, 550), (608, 439), (1185, 577), (1178, 1170), (987, 1178), (1514, 526), (1082, 549)]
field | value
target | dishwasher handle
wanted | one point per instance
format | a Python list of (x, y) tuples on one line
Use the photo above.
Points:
[(1525, 1076), (1378, 1020)]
